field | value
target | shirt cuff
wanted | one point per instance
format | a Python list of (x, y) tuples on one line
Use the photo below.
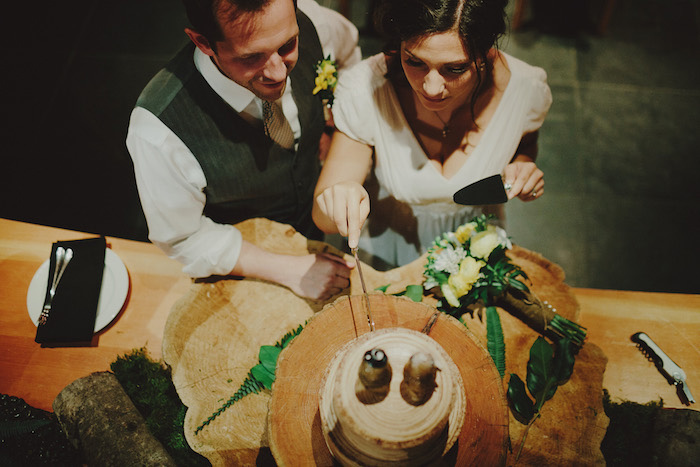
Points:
[(219, 257)]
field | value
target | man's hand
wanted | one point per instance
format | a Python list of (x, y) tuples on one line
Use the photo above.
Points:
[(317, 277), (314, 276)]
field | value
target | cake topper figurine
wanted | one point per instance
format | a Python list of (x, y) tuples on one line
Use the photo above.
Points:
[(374, 377), (418, 382)]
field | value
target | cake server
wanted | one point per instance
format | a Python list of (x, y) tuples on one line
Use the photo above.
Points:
[(673, 373), (489, 190), (370, 321)]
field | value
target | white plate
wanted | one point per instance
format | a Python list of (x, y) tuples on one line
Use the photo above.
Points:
[(115, 287)]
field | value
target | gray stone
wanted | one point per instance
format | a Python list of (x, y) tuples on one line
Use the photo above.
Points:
[(102, 422)]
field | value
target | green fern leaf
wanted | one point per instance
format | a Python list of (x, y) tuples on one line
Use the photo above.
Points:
[(20, 427), (282, 343), (249, 386), (264, 371)]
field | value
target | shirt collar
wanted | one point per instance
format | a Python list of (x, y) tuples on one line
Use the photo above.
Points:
[(231, 92), (235, 95)]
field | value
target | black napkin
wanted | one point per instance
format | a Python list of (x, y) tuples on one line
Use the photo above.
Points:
[(72, 317)]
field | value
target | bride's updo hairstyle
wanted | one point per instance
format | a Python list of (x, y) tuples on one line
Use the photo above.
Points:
[(479, 23)]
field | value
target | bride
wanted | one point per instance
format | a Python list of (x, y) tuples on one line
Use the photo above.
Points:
[(440, 108)]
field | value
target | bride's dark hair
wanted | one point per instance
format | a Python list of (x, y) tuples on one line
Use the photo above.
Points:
[(479, 23)]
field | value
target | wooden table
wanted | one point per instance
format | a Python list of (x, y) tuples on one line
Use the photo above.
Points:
[(38, 374), (671, 320)]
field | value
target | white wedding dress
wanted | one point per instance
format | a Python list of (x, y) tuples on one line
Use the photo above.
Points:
[(411, 201)]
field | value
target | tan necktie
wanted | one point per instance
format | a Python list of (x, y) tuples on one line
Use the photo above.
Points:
[(276, 125)]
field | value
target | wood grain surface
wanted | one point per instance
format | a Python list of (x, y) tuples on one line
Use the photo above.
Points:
[(156, 282), (37, 374), (213, 336), (294, 407)]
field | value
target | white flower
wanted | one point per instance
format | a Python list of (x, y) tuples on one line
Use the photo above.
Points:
[(452, 238), (430, 282), (503, 238), (448, 259)]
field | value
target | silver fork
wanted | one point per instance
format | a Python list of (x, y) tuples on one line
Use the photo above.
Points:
[(63, 257)]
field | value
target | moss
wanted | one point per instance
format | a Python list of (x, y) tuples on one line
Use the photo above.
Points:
[(149, 385), (32, 437), (628, 440)]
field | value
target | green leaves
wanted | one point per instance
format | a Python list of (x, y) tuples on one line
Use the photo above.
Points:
[(9, 428), (520, 402), (546, 370), (263, 375), (541, 381), (260, 377), (494, 340), (564, 357), (264, 371), (414, 292), (250, 385), (268, 356)]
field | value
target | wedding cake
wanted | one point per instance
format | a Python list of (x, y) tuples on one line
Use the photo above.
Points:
[(391, 397)]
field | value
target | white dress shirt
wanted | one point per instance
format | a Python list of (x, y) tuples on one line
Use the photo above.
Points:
[(170, 180)]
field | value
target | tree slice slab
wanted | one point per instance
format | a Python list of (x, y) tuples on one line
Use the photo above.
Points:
[(389, 429), (213, 335), (573, 423), (212, 338), (294, 406)]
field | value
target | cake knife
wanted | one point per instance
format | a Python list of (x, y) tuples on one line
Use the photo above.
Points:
[(489, 190), (370, 321)]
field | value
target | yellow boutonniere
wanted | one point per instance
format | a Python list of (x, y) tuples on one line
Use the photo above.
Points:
[(326, 80)]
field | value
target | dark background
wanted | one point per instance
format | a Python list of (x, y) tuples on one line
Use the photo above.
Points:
[(619, 147)]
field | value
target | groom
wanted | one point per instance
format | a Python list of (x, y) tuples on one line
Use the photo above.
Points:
[(202, 156)]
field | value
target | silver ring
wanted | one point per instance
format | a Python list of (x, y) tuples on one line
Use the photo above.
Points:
[(507, 186), (534, 193)]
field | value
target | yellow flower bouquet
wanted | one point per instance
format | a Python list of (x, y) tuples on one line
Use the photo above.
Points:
[(470, 265), (469, 268)]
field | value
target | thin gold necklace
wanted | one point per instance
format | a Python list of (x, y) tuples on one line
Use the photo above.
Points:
[(445, 124)]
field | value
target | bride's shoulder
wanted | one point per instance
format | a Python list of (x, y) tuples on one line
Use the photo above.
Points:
[(501, 71), (519, 68), (370, 72)]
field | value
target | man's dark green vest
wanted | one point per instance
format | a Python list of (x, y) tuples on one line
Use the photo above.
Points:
[(247, 174)]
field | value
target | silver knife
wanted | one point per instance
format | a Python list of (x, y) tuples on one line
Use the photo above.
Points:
[(370, 321), (674, 374)]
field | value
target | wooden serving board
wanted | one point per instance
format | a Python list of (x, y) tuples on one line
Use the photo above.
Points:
[(213, 335), (212, 339), (296, 437)]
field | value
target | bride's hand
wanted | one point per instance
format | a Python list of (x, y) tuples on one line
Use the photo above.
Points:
[(524, 180), (346, 204)]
